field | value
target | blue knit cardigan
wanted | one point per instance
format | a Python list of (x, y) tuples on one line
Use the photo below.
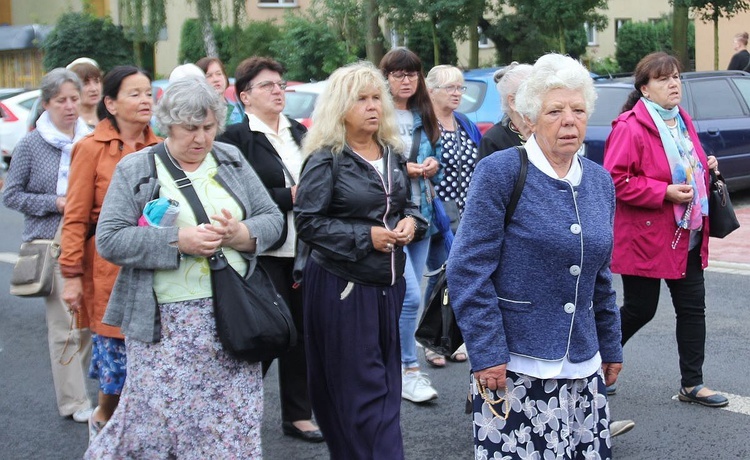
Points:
[(541, 288)]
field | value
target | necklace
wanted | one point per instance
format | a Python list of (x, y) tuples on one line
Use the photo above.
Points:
[(452, 124), (368, 152)]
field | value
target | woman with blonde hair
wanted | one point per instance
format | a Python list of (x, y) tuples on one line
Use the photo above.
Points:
[(354, 210)]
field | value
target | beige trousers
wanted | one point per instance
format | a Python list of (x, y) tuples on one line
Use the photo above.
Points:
[(69, 379)]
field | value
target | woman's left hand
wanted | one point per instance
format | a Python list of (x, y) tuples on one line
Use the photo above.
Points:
[(611, 371), (713, 163), (405, 230), (233, 233)]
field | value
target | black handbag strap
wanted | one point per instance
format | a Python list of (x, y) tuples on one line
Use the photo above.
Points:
[(277, 157), (416, 138), (518, 188), (217, 260)]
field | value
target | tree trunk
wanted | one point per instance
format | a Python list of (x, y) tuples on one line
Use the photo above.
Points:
[(474, 44), (716, 38), (680, 33), (435, 45), (561, 37), (209, 41), (374, 36)]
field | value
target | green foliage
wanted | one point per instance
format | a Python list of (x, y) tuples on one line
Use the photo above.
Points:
[(605, 66), (419, 40), (82, 34), (254, 40), (309, 48), (191, 42), (637, 39), (517, 40)]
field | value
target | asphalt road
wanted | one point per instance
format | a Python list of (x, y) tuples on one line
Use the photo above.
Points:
[(30, 427)]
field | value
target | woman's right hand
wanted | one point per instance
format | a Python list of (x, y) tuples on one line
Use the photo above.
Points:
[(72, 293), (492, 377), (414, 169), (60, 203), (383, 240), (198, 241), (679, 193)]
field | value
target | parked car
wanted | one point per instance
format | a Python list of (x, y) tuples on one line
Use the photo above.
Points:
[(481, 102), (13, 125), (301, 99), (718, 102)]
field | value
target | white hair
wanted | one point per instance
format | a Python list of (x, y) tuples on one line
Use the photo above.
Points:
[(188, 101), (508, 80), (553, 71)]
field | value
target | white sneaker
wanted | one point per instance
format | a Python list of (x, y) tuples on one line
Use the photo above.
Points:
[(82, 415), (618, 427), (416, 387)]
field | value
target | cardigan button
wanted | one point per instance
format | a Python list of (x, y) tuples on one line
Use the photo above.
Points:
[(575, 229), (569, 308), (648, 223), (575, 270)]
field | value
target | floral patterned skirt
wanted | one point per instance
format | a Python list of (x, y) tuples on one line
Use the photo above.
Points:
[(547, 419), (184, 397)]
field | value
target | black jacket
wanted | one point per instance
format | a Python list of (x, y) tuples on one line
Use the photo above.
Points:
[(499, 137), (264, 159), (338, 202)]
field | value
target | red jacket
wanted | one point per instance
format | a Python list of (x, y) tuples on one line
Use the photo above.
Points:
[(644, 221)]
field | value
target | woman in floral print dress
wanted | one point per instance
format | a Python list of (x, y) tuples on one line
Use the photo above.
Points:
[(184, 397)]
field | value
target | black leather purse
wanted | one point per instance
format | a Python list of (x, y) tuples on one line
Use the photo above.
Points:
[(721, 217), (438, 330), (252, 320)]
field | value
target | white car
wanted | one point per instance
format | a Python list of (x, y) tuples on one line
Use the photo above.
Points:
[(301, 99), (13, 124)]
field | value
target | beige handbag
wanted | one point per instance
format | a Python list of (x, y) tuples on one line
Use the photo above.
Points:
[(34, 272)]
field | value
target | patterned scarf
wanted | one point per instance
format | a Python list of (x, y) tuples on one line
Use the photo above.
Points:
[(685, 165), (55, 138)]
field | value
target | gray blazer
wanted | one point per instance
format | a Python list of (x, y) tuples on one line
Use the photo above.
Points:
[(141, 250)]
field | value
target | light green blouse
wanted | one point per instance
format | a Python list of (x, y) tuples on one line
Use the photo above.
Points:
[(192, 280)]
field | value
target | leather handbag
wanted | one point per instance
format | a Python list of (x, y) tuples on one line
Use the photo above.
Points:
[(438, 330), (252, 320), (34, 272), (721, 217)]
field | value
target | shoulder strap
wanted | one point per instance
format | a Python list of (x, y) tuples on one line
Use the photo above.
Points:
[(416, 138), (277, 157), (183, 183), (520, 182)]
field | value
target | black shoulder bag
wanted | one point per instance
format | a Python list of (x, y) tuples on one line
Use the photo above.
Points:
[(721, 217), (438, 330), (252, 320)]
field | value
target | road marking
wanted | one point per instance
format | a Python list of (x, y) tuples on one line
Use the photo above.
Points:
[(737, 404), (728, 267), (8, 257)]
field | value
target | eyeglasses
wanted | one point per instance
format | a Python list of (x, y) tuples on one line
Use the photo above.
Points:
[(268, 86), (452, 89), (399, 76)]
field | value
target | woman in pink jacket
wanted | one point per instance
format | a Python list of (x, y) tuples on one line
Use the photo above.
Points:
[(661, 221)]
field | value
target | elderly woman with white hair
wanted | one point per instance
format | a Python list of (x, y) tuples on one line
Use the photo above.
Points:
[(184, 397), (512, 129), (534, 299), (354, 210)]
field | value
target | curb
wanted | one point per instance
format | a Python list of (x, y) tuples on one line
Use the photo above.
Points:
[(728, 267)]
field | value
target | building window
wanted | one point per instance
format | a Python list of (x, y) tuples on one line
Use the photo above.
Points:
[(277, 3), (619, 23), (590, 34), (484, 42)]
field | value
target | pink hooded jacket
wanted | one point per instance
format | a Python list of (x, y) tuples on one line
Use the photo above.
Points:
[(644, 221)]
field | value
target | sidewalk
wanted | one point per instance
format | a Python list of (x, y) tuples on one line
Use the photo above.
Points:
[(733, 251)]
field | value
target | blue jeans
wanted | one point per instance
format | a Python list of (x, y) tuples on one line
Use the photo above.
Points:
[(416, 255)]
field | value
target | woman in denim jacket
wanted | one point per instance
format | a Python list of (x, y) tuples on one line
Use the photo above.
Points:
[(421, 135)]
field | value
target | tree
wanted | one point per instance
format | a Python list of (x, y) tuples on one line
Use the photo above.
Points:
[(554, 18), (680, 20), (82, 34), (712, 11), (133, 14), (637, 39)]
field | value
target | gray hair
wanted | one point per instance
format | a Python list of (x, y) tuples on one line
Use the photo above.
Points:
[(55, 78), (443, 74), (188, 101), (507, 81), (553, 71)]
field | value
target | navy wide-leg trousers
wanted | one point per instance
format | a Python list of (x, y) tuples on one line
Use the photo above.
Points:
[(354, 364)]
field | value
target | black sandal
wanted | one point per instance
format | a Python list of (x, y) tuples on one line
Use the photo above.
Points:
[(715, 400)]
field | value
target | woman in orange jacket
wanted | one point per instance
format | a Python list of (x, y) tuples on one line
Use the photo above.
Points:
[(125, 112)]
